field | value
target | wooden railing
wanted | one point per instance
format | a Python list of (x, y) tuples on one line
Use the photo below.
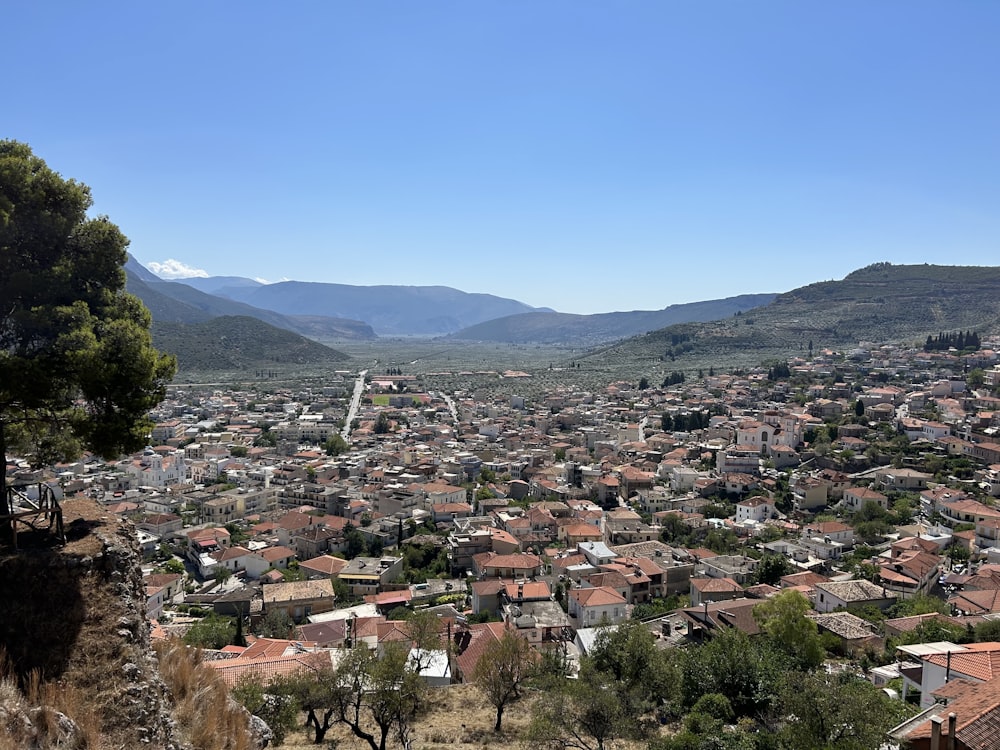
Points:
[(41, 513)]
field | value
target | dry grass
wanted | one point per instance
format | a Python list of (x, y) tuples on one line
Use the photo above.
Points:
[(35, 715), (457, 718), (205, 714)]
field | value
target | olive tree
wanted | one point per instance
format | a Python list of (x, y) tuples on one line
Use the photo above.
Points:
[(502, 669)]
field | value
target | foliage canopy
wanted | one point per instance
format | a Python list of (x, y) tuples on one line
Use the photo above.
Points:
[(77, 365)]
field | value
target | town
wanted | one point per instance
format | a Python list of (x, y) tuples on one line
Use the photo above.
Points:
[(340, 512)]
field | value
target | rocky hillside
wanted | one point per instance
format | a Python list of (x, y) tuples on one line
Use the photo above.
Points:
[(79, 670)]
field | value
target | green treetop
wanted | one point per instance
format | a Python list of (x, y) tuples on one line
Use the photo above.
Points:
[(77, 366)]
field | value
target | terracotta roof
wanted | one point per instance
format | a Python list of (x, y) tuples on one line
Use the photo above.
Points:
[(805, 578), (736, 613), (272, 554), (323, 633), (161, 579), (977, 709), (514, 561), (232, 553), (527, 590), (471, 643), (386, 598), (976, 602), (715, 585), (858, 590), (325, 564), (599, 596), (489, 587), (981, 661), (392, 630), (233, 670), (265, 648)]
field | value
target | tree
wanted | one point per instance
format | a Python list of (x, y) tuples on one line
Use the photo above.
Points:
[(313, 691), (275, 624), (222, 575), (783, 618), (335, 445), (211, 632), (821, 711), (77, 365), (376, 697), (584, 714), (642, 673), (746, 671), (502, 669), (988, 630), (425, 634), (771, 568), (278, 711), (173, 565)]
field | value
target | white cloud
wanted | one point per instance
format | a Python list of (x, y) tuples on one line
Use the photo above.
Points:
[(259, 280), (175, 269)]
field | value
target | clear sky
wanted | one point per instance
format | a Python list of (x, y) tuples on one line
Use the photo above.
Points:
[(587, 156)]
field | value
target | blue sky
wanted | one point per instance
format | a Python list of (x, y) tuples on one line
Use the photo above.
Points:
[(587, 156)]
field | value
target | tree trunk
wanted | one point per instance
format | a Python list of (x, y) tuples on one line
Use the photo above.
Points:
[(319, 729), (8, 527), (496, 727)]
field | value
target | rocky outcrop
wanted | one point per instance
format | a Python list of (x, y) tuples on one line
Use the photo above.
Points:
[(75, 616)]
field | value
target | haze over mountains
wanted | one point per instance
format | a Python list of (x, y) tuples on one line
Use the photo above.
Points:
[(566, 328), (326, 311)]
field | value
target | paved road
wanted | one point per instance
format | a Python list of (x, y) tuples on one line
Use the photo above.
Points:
[(359, 389), (451, 406)]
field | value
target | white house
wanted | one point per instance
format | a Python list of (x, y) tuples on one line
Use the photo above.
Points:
[(593, 606), (757, 509)]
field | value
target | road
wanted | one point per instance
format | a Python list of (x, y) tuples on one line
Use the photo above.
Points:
[(451, 407), (359, 389)]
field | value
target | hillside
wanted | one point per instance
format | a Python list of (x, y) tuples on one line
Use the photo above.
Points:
[(173, 302), (878, 303), (238, 344), (586, 330), (76, 616), (76, 638)]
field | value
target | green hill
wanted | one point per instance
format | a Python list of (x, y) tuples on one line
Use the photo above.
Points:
[(238, 343), (878, 303), (586, 330)]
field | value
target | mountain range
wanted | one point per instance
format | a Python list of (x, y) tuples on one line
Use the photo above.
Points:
[(878, 303), (588, 330), (330, 312)]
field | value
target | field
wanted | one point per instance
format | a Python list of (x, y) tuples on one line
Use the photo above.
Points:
[(496, 370)]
